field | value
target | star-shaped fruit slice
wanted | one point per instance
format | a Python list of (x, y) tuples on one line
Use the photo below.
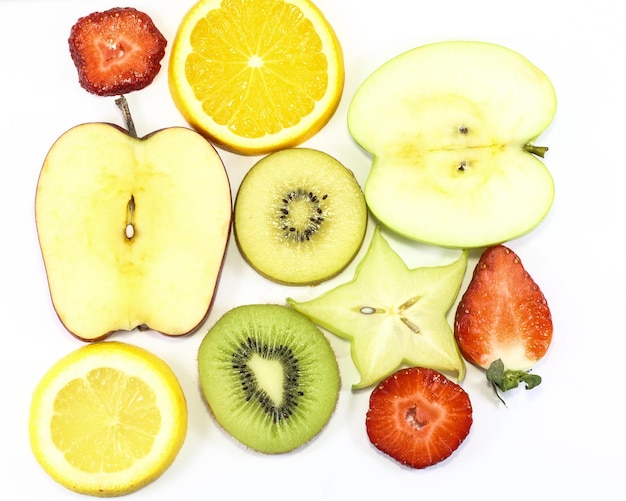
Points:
[(393, 315)]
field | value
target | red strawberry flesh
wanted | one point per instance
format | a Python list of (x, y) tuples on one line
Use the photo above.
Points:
[(116, 51), (503, 315), (418, 417)]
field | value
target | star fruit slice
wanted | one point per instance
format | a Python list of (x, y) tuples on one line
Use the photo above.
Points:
[(392, 315)]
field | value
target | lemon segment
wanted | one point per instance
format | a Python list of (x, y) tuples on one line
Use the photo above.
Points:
[(255, 77), (107, 419)]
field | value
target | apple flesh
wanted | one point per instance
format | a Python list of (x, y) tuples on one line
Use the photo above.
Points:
[(450, 127), (132, 231)]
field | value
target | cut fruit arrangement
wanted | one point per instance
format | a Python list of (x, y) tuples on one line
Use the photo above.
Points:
[(453, 165)]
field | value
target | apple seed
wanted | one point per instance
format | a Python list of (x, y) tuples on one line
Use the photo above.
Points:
[(130, 218)]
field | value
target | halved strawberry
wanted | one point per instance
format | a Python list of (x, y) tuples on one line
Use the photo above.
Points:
[(503, 322), (117, 51), (418, 417)]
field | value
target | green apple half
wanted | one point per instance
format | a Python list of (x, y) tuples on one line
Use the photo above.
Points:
[(133, 231), (450, 127)]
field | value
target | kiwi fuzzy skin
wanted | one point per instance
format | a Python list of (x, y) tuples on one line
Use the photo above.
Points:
[(240, 405)]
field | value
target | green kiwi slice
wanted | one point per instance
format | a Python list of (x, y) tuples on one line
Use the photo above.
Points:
[(269, 377), (300, 216)]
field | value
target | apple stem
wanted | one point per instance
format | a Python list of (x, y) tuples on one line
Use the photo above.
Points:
[(122, 104), (540, 151)]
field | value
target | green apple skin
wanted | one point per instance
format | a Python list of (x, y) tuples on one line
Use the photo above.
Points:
[(133, 231), (450, 127)]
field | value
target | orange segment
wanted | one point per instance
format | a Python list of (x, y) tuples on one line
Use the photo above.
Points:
[(255, 77), (107, 419)]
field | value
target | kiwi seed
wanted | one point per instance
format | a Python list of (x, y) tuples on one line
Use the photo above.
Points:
[(301, 214), (253, 391)]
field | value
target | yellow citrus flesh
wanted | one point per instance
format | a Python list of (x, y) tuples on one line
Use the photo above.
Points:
[(256, 77), (107, 419)]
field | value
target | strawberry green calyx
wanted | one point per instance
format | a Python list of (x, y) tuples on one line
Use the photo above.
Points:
[(506, 379)]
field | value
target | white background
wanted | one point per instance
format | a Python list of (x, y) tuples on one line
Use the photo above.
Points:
[(564, 438)]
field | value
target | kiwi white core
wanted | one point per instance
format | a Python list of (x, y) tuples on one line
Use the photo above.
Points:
[(269, 375)]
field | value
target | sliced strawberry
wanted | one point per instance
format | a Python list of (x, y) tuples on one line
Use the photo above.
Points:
[(503, 317), (117, 51), (418, 417)]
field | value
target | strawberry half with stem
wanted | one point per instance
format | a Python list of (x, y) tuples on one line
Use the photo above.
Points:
[(503, 323), (116, 51), (418, 417)]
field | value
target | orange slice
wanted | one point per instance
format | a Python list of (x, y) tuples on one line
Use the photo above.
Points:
[(107, 419), (256, 77)]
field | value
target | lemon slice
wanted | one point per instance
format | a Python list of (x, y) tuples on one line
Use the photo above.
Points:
[(107, 419), (256, 77)]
